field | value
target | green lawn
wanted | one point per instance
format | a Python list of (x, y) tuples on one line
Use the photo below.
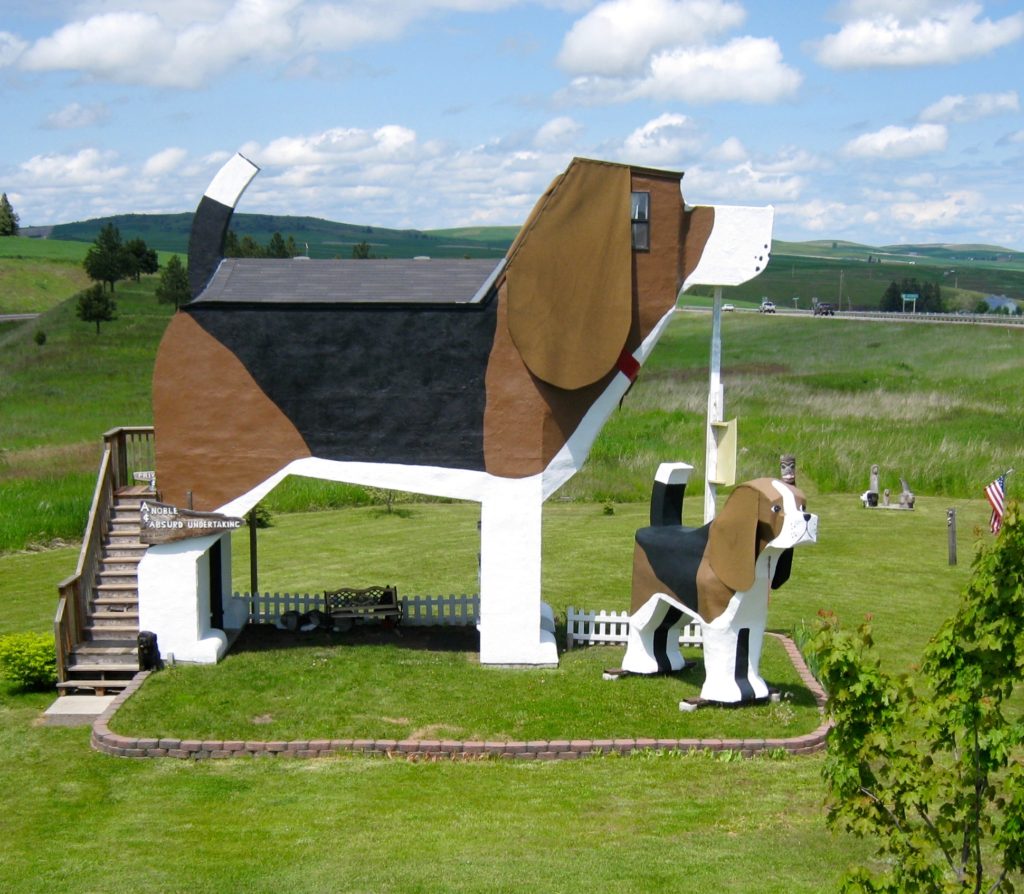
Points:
[(634, 824), (939, 406)]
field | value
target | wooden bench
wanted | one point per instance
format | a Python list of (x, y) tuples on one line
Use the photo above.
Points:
[(346, 605)]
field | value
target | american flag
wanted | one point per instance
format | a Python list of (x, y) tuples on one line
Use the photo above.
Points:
[(996, 493)]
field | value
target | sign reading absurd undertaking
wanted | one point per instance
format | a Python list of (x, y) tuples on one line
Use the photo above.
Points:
[(163, 523)]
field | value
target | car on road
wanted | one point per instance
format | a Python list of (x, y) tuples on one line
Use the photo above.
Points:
[(767, 306), (728, 307), (822, 309)]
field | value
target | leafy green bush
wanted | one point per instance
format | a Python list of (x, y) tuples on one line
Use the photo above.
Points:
[(931, 768), (28, 660)]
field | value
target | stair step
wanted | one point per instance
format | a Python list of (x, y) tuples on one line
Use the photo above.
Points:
[(99, 687), (115, 588), (127, 636), (115, 616), (113, 600), (101, 652), (99, 671), (113, 571), (119, 645), (128, 549)]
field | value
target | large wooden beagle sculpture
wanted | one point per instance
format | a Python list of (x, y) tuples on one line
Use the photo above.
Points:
[(485, 381), (720, 575)]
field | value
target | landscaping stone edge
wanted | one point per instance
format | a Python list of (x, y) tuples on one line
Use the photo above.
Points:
[(108, 742)]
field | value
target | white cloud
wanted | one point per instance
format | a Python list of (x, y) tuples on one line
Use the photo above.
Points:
[(730, 150), (188, 44), (817, 216), (75, 116), (337, 146), (665, 140), (916, 33), (746, 69), (617, 37), (960, 109), (164, 162), (745, 183), (949, 210), (88, 168), (11, 47), (898, 142), (557, 132)]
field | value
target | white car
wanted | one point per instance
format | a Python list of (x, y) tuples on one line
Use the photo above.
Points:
[(767, 307), (728, 307)]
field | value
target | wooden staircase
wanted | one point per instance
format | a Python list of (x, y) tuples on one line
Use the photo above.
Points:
[(107, 657), (97, 623)]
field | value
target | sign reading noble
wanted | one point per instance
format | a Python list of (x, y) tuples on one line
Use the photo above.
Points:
[(163, 523)]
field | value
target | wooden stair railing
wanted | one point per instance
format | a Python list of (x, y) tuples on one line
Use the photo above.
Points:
[(126, 450)]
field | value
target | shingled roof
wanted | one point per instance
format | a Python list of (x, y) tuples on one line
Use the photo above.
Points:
[(389, 281)]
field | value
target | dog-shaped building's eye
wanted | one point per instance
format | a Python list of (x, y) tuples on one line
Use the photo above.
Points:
[(776, 508)]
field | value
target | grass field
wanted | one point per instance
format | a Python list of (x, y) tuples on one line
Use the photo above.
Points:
[(936, 405), (625, 824)]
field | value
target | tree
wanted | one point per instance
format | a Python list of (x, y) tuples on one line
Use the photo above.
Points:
[(173, 287), (96, 306), (8, 218), (276, 247), (140, 258), (931, 767), (232, 248), (107, 261), (892, 302), (361, 251)]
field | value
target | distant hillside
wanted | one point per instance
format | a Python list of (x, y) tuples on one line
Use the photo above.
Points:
[(321, 238), (856, 276), (845, 273)]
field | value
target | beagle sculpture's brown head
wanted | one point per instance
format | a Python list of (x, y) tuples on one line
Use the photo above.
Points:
[(759, 514)]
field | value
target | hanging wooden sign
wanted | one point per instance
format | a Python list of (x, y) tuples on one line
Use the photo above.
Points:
[(163, 523)]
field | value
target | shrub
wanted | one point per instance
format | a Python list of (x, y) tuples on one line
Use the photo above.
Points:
[(932, 768), (28, 660), (40, 337)]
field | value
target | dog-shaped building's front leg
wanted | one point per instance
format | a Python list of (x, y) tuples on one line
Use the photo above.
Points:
[(513, 625)]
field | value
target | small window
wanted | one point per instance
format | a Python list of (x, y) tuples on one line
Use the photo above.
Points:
[(641, 215)]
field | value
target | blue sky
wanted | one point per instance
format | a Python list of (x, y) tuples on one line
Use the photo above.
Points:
[(877, 121)]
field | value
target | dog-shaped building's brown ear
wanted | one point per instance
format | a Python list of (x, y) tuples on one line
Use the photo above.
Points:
[(569, 277), (732, 540)]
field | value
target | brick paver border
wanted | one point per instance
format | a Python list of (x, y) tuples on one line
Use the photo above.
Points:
[(433, 749)]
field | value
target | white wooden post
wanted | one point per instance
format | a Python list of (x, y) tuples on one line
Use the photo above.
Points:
[(716, 408), (736, 251)]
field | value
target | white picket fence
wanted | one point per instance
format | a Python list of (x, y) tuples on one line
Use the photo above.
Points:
[(582, 627), (419, 611), (590, 627)]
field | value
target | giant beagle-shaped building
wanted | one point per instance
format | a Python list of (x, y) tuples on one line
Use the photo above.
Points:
[(478, 380)]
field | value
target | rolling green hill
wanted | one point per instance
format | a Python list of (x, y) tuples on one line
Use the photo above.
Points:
[(320, 238), (847, 274), (938, 405)]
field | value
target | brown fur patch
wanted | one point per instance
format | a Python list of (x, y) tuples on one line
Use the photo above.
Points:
[(195, 449)]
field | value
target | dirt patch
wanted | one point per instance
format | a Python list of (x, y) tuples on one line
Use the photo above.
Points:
[(260, 637)]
